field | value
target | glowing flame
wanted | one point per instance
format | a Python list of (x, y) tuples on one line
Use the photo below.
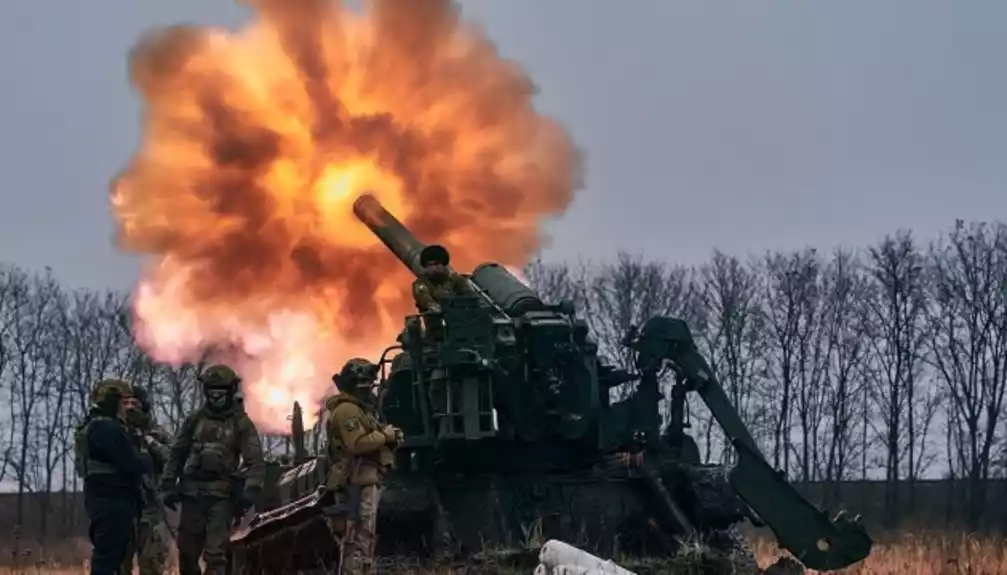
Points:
[(257, 142)]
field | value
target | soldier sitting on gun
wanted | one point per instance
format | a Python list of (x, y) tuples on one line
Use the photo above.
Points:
[(437, 280)]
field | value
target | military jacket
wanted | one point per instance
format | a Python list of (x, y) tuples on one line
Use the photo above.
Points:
[(357, 448), (159, 443), (426, 292), (209, 450)]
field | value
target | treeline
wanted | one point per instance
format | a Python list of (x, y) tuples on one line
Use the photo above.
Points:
[(888, 361)]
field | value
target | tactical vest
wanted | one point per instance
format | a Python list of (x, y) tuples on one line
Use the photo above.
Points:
[(345, 469), (215, 451), (83, 464)]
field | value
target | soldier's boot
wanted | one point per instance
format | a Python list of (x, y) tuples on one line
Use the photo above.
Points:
[(152, 560), (354, 561)]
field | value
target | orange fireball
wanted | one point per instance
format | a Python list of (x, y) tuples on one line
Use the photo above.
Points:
[(256, 143)]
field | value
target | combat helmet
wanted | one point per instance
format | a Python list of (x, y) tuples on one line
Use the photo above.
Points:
[(109, 392), (356, 377), (434, 254), (220, 384)]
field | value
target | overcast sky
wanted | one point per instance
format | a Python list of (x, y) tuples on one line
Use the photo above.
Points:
[(734, 124)]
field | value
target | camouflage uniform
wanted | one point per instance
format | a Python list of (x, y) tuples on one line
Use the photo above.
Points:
[(437, 281), (428, 291), (151, 544), (106, 458), (360, 450), (204, 461)]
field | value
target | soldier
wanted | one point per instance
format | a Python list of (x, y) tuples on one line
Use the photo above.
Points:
[(151, 545), (106, 458), (437, 281), (204, 461), (360, 450)]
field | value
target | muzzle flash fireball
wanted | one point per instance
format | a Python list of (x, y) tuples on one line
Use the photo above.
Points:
[(255, 144)]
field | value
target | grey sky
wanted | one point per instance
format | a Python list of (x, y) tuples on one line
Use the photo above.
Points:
[(741, 125)]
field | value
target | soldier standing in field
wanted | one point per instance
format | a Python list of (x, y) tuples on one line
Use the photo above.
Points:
[(106, 458), (151, 544), (202, 473), (360, 450)]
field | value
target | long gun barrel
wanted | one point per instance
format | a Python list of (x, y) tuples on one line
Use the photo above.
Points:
[(390, 231), (499, 285)]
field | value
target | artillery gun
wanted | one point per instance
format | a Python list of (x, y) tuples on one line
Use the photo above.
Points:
[(527, 443)]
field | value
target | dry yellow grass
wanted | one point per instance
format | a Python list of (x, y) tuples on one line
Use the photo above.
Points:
[(921, 555), (901, 555)]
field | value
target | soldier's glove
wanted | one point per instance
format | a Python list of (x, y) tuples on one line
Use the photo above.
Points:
[(393, 435)]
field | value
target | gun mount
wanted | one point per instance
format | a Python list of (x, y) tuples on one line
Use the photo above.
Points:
[(514, 367), (509, 423)]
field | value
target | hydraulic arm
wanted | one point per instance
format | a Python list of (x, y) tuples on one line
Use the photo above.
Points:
[(801, 528)]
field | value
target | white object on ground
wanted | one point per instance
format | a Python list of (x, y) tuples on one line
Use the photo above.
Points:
[(558, 558)]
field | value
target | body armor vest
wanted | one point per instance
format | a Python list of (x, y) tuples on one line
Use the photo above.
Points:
[(215, 452), (83, 463)]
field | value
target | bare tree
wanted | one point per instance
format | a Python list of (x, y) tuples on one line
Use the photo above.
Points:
[(53, 434), (34, 297), (968, 339), (791, 303), (895, 326), (556, 282), (843, 287), (9, 281), (734, 338)]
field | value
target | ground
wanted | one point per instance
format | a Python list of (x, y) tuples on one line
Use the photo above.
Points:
[(904, 554)]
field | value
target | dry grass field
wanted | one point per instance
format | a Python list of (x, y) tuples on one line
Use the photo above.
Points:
[(902, 555)]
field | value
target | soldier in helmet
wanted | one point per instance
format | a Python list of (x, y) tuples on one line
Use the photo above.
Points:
[(202, 468), (437, 280), (360, 450), (106, 458), (151, 545)]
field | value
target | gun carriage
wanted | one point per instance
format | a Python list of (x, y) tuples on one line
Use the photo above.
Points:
[(527, 442)]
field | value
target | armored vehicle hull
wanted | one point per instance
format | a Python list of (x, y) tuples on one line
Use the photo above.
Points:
[(607, 511)]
